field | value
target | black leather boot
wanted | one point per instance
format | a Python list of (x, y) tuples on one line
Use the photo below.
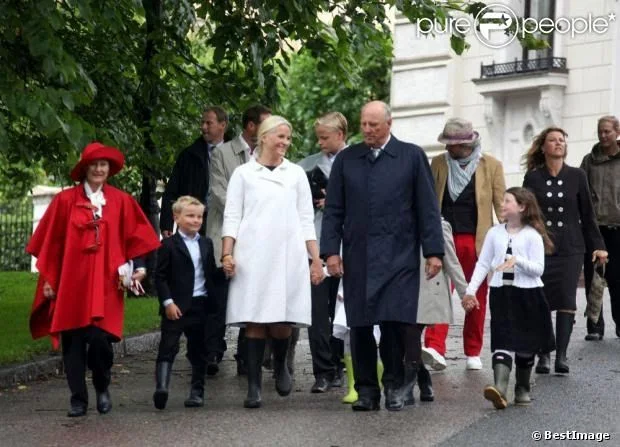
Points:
[(162, 383), (284, 382), (79, 405), (425, 384), (197, 390), (394, 398), (544, 363), (411, 377), (563, 329), (255, 352), (101, 383)]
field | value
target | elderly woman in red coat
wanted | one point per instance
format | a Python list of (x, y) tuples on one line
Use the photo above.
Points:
[(86, 234)]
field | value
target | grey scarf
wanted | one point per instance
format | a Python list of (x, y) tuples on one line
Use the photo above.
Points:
[(461, 171)]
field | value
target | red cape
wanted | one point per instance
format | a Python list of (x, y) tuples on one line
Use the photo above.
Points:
[(80, 262)]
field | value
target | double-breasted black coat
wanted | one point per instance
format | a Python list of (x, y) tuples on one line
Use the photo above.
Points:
[(381, 210)]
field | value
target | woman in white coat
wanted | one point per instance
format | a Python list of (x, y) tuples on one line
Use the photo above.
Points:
[(267, 234)]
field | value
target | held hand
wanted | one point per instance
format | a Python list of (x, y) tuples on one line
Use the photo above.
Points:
[(508, 264), (334, 266), (600, 257), (138, 275), (432, 267), (173, 312), (228, 264), (469, 303), (319, 204), (166, 234), (316, 272), (48, 292)]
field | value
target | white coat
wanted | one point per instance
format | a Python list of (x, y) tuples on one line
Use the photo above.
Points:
[(270, 216)]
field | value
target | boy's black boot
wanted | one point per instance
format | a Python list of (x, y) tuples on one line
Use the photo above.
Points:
[(197, 390), (162, 383)]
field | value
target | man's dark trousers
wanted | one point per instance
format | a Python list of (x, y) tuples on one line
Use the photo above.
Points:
[(324, 350)]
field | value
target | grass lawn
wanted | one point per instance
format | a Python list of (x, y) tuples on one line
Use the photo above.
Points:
[(16, 293)]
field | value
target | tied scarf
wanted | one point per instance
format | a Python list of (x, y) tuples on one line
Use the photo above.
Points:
[(96, 199), (461, 171)]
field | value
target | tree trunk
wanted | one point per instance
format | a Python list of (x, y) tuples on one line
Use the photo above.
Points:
[(147, 101)]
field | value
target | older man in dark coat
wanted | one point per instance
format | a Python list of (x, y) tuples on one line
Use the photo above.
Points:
[(381, 206)]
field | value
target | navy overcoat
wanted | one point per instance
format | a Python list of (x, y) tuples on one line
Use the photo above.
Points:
[(381, 210)]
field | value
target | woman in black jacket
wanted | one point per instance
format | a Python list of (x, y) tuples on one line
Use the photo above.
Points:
[(564, 197)]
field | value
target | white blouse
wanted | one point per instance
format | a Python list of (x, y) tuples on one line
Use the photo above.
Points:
[(527, 248)]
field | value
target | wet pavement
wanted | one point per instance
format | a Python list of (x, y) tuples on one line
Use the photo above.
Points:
[(585, 401)]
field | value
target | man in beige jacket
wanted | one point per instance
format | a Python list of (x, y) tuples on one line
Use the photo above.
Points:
[(469, 186), (224, 160)]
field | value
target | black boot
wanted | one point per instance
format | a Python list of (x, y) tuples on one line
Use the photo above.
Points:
[(522, 387), (544, 363), (496, 393), (241, 357), (255, 352), (284, 382), (411, 377), (425, 384), (563, 329), (162, 383), (197, 390), (290, 356), (101, 383), (79, 405)]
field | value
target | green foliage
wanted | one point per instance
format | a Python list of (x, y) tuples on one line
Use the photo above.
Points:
[(309, 90), (136, 74), (16, 294)]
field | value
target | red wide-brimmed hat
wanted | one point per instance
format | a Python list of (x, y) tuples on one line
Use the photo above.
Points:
[(97, 151)]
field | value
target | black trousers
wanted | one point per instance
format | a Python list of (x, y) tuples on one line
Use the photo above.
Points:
[(611, 237), (192, 324), (215, 337), (325, 349), (88, 346), (364, 355)]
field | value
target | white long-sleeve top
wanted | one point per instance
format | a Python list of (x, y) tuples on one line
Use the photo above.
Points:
[(527, 248)]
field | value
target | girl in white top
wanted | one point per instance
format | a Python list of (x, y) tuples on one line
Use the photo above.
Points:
[(520, 321)]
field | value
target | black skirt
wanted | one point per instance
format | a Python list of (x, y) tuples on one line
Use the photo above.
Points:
[(520, 320), (560, 279)]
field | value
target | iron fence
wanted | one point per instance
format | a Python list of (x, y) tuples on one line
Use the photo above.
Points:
[(15, 231)]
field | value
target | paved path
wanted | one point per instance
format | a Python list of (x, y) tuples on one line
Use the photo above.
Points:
[(585, 401)]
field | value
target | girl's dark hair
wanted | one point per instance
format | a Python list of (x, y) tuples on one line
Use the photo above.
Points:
[(534, 157), (532, 215)]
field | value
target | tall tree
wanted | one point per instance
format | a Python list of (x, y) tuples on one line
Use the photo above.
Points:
[(136, 74)]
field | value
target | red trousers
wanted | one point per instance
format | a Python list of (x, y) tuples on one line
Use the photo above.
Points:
[(435, 336)]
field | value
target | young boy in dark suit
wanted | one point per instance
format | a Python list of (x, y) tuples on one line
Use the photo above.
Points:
[(184, 278)]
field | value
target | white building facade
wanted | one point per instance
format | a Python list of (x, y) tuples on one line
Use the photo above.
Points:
[(511, 94)]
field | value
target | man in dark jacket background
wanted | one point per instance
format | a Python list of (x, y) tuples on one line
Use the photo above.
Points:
[(190, 175), (381, 206)]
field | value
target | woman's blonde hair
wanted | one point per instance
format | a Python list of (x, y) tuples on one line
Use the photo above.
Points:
[(269, 125), (334, 121), (535, 157)]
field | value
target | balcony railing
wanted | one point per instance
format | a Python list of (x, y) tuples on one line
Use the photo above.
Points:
[(543, 64)]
